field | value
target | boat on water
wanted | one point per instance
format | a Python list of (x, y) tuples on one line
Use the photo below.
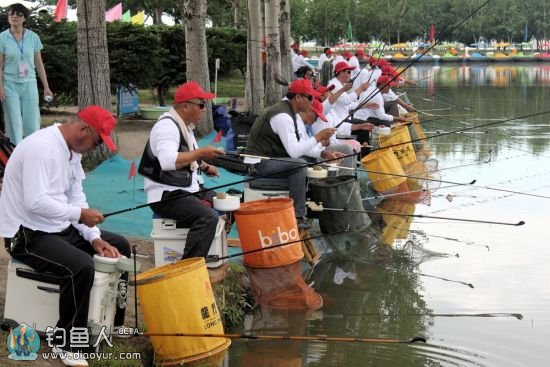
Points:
[(523, 57), (499, 56), (543, 57), (449, 57), (400, 57), (476, 57)]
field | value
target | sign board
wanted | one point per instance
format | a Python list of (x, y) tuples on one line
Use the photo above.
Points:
[(127, 101)]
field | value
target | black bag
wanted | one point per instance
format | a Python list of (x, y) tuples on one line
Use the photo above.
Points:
[(232, 164), (241, 123), (6, 148)]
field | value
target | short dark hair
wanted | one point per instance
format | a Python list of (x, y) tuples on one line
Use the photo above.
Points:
[(326, 49), (302, 71), (18, 8), (290, 95)]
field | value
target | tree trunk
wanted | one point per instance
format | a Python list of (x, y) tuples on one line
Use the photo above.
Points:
[(273, 49), (237, 14), (254, 75), (158, 16), (94, 86), (286, 52), (196, 58)]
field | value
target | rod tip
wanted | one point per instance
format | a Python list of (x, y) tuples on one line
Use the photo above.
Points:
[(418, 339), (520, 223)]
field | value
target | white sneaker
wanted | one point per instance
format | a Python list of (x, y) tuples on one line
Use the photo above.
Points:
[(70, 358)]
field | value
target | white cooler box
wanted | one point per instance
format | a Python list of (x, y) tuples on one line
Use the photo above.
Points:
[(169, 241), (33, 298), (265, 188)]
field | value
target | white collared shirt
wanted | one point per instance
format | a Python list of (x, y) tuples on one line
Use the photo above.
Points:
[(165, 142), (340, 108), (43, 187)]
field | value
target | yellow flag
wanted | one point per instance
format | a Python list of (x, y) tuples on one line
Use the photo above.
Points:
[(139, 18)]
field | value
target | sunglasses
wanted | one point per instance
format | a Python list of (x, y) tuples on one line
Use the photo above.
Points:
[(98, 141), (16, 14), (201, 105), (348, 71), (309, 98)]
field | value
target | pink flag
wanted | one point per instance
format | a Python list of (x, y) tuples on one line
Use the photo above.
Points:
[(218, 137), (132, 170), (115, 13), (60, 11)]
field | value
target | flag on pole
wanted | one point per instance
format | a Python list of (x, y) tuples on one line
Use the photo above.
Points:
[(132, 170), (350, 33), (139, 18), (60, 12), (218, 137), (431, 34), (115, 13), (127, 16)]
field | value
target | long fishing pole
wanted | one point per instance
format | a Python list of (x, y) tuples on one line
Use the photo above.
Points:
[(517, 316), (185, 194), (320, 338), (395, 76), (319, 207)]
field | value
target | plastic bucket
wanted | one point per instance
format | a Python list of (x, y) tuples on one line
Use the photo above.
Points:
[(338, 193), (400, 142), (178, 298), (383, 161), (265, 223)]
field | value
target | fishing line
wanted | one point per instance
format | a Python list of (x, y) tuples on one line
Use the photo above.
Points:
[(316, 207), (452, 239), (517, 316)]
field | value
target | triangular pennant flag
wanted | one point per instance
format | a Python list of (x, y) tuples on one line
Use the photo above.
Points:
[(115, 13), (60, 12), (127, 16), (218, 137), (139, 18), (132, 170)]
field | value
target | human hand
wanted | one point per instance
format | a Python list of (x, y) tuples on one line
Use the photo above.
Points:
[(346, 86), (410, 108), (210, 152), (211, 171), (333, 156), (91, 217), (325, 134), (103, 248), (2, 94), (366, 126), (372, 106), (48, 92)]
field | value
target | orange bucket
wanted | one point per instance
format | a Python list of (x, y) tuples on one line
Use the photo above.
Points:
[(265, 223), (400, 142), (383, 161)]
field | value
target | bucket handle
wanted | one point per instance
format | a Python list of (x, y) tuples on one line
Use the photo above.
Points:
[(149, 280)]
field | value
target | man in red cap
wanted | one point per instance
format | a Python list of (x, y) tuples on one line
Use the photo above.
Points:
[(325, 56), (341, 80), (172, 164), (46, 220), (276, 134), (392, 101)]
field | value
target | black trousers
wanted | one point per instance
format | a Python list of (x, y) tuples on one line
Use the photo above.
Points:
[(69, 255), (190, 213)]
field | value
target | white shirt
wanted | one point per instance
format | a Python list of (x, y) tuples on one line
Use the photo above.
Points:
[(353, 61), (165, 142), (340, 107), (390, 96), (322, 59), (43, 187), (336, 60), (299, 61), (373, 95), (282, 125), (343, 129)]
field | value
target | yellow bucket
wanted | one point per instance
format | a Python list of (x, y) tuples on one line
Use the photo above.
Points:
[(400, 142), (178, 298), (420, 146), (397, 227), (383, 161)]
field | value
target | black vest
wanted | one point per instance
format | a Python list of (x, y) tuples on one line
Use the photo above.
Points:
[(262, 139), (150, 165)]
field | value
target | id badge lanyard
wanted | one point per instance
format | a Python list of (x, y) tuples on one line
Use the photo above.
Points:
[(22, 65)]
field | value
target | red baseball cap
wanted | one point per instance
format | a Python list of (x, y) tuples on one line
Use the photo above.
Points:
[(304, 53), (317, 107), (342, 66), (359, 52), (322, 89), (329, 51), (101, 120), (388, 70), (303, 86), (189, 91), (386, 79)]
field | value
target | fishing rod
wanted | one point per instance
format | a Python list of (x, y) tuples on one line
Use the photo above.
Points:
[(395, 76), (318, 207), (185, 194), (517, 316), (320, 338), (216, 258)]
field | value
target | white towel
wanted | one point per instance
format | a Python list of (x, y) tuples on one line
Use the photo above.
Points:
[(186, 135)]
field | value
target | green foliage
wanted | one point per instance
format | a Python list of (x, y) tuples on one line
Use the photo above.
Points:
[(229, 45), (234, 296)]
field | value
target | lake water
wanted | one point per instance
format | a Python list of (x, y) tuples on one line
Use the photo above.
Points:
[(504, 320)]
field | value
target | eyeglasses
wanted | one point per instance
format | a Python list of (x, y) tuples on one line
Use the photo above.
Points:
[(309, 98), (201, 105), (16, 14), (348, 71), (98, 141)]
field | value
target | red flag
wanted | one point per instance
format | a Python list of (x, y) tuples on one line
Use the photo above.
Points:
[(218, 137), (432, 34), (132, 170), (60, 11)]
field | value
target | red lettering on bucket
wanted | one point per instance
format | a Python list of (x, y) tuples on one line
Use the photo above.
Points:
[(278, 237)]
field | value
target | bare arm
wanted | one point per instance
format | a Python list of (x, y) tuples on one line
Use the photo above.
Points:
[(39, 65)]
